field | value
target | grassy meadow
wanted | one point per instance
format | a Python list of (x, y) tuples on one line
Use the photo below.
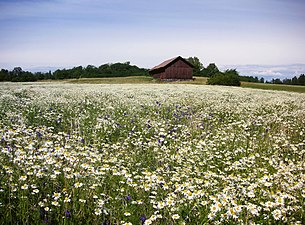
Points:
[(87, 152), (132, 80), (276, 87), (196, 81)]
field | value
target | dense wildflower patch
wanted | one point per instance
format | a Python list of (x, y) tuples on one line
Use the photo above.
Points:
[(150, 154)]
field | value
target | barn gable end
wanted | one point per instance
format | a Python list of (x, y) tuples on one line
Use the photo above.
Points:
[(173, 69)]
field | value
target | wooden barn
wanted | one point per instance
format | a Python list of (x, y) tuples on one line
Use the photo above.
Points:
[(173, 69)]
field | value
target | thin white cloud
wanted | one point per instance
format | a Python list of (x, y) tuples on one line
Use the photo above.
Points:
[(269, 71)]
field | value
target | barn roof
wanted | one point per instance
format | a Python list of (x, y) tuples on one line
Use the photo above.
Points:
[(169, 62)]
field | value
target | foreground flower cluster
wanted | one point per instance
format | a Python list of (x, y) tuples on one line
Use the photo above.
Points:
[(150, 154)]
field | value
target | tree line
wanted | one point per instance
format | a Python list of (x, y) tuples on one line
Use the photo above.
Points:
[(300, 80), (227, 77), (232, 77), (90, 71)]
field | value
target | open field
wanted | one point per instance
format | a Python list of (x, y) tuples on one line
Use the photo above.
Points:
[(197, 81), (114, 80), (150, 154), (277, 87), (132, 80)]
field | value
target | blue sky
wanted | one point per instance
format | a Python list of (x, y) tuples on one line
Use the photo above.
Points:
[(67, 33)]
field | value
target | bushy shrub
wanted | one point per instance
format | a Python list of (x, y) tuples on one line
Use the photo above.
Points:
[(227, 78), (211, 70)]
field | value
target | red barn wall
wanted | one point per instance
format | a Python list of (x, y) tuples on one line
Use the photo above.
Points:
[(156, 76), (178, 70), (160, 75)]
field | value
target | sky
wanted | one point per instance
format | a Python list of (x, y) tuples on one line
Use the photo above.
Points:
[(261, 37)]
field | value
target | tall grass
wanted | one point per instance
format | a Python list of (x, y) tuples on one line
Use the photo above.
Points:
[(150, 154)]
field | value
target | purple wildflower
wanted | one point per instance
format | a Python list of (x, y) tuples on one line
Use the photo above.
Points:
[(143, 218), (46, 221), (39, 135), (68, 214)]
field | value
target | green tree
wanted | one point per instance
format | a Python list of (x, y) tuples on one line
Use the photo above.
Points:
[(227, 78), (60, 74), (294, 80), (76, 72), (262, 80), (198, 66), (4, 75), (301, 79), (210, 70)]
